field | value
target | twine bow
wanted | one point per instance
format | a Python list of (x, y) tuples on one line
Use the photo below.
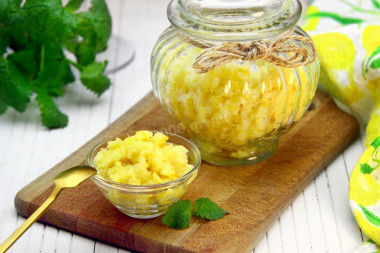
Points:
[(281, 52)]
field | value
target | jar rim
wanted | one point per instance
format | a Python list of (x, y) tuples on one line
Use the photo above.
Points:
[(233, 20)]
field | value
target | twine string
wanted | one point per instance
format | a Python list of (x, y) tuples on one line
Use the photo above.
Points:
[(281, 52)]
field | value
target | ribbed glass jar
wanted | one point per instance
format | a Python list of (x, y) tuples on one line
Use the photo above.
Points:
[(236, 111)]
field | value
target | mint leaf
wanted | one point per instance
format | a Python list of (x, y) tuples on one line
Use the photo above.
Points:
[(4, 38), (14, 87), (178, 215), (7, 6), (93, 78), (54, 71), (73, 5), (47, 21), (26, 61), (91, 33), (51, 116), (84, 44), (3, 107), (100, 19), (207, 209), (33, 35)]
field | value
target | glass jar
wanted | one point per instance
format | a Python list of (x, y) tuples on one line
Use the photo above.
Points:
[(236, 74)]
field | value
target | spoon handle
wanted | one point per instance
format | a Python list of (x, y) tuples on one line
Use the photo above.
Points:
[(33, 218)]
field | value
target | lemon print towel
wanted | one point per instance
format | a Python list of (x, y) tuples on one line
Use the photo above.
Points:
[(347, 36), (364, 194)]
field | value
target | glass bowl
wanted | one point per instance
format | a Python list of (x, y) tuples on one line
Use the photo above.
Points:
[(146, 201)]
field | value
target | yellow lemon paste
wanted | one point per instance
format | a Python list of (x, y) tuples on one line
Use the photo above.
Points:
[(142, 159), (234, 103)]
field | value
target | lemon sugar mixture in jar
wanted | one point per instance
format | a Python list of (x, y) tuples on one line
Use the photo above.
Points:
[(236, 74)]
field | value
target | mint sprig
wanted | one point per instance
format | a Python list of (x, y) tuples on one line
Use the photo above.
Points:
[(207, 209), (34, 35), (179, 214)]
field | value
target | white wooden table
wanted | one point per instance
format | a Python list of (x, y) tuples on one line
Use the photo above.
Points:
[(318, 220)]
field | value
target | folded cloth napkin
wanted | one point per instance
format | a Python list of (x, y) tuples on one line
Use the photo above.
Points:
[(364, 194), (347, 37)]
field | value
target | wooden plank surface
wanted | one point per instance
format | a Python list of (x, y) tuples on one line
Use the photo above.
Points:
[(254, 195)]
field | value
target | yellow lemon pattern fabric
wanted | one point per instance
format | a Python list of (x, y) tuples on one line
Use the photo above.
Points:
[(347, 37), (337, 57), (368, 247), (364, 192)]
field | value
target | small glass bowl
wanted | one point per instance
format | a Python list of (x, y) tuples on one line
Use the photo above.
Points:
[(146, 201)]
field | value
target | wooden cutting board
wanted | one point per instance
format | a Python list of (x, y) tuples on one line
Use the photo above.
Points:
[(254, 195)]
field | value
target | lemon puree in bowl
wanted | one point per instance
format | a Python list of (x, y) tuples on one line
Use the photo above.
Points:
[(234, 106), (142, 159), (142, 173)]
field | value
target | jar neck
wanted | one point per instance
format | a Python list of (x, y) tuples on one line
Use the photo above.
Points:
[(233, 20)]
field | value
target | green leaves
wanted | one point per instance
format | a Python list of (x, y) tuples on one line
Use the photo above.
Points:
[(84, 45), (100, 18), (14, 87), (91, 33), (32, 38), (206, 209), (25, 62), (54, 71), (73, 5), (3, 107), (4, 39), (51, 116), (179, 214), (93, 78), (38, 22)]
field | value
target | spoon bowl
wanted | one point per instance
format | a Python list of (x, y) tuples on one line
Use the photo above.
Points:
[(66, 179), (74, 176)]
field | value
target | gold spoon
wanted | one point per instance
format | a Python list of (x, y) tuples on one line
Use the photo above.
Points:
[(66, 179)]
